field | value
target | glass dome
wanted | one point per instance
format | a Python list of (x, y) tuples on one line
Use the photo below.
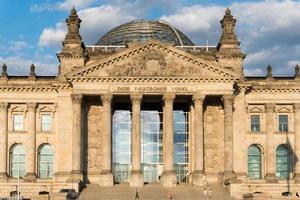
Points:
[(142, 30)]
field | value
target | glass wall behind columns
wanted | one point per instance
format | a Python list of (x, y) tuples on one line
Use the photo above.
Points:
[(151, 136), (181, 138), (121, 143)]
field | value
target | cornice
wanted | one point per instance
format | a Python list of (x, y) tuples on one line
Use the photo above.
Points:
[(275, 90), (153, 79), (51, 87)]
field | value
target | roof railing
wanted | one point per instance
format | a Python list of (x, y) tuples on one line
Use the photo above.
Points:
[(93, 47), (107, 47), (204, 47)]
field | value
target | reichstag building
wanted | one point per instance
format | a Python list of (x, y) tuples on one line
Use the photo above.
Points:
[(146, 105)]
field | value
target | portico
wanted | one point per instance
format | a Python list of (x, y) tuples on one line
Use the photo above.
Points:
[(138, 107)]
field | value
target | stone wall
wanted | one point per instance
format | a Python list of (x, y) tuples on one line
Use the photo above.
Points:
[(92, 140), (213, 139)]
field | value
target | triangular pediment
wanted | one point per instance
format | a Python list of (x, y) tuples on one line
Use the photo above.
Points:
[(256, 110), (152, 59)]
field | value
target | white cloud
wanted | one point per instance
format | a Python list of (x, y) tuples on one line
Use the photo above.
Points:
[(62, 5), (94, 24), (52, 37), (96, 21), (68, 4), (18, 65), (196, 18)]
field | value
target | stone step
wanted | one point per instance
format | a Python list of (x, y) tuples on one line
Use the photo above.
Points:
[(152, 192)]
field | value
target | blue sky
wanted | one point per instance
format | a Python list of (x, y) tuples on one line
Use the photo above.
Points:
[(31, 31)]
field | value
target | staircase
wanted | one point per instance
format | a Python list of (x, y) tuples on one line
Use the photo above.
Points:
[(152, 192)]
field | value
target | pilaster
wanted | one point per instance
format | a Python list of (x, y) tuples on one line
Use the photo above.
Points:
[(297, 141), (3, 142), (76, 139), (198, 177), (169, 174), (106, 176), (270, 162), (228, 138), (31, 149)]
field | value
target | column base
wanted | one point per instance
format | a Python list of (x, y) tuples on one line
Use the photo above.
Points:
[(3, 177), (228, 177), (106, 178), (136, 178), (271, 178), (30, 177), (168, 178), (198, 178)]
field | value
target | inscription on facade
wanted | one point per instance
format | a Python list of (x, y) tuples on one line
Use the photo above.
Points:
[(152, 89)]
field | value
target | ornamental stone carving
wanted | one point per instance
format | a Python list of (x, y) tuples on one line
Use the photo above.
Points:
[(3, 107), (270, 107), (227, 99), (31, 107), (153, 63), (198, 98), (106, 98), (168, 98), (94, 136), (213, 131), (297, 107), (76, 98), (136, 98)]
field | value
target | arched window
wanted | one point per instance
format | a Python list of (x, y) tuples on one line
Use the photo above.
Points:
[(283, 161), (17, 160), (45, 159), (254, 162)]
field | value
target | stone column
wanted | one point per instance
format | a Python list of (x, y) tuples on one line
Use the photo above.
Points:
[(228, 138), (197, 175), (270, 162), (297, 141), (169, 174), (136, 176), (106, 177), (31, 149), (3, 141), (76, 139)]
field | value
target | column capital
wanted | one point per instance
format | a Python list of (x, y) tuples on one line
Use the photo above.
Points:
[(297, 107), (169, 97), (198, 98), (227, 98), (136, 98), (76, 98), (3, 106), (270, 107), (31, 107), (106, 98)]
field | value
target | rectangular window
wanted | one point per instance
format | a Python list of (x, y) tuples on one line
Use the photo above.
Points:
[(18, 122), (283, 123), (46, 122), (255, 123)]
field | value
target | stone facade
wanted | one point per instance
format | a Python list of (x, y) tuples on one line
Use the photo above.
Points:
[(80, 100)]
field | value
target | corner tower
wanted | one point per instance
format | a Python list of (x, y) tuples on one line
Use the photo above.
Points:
[(229, 53), (73, 52)]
